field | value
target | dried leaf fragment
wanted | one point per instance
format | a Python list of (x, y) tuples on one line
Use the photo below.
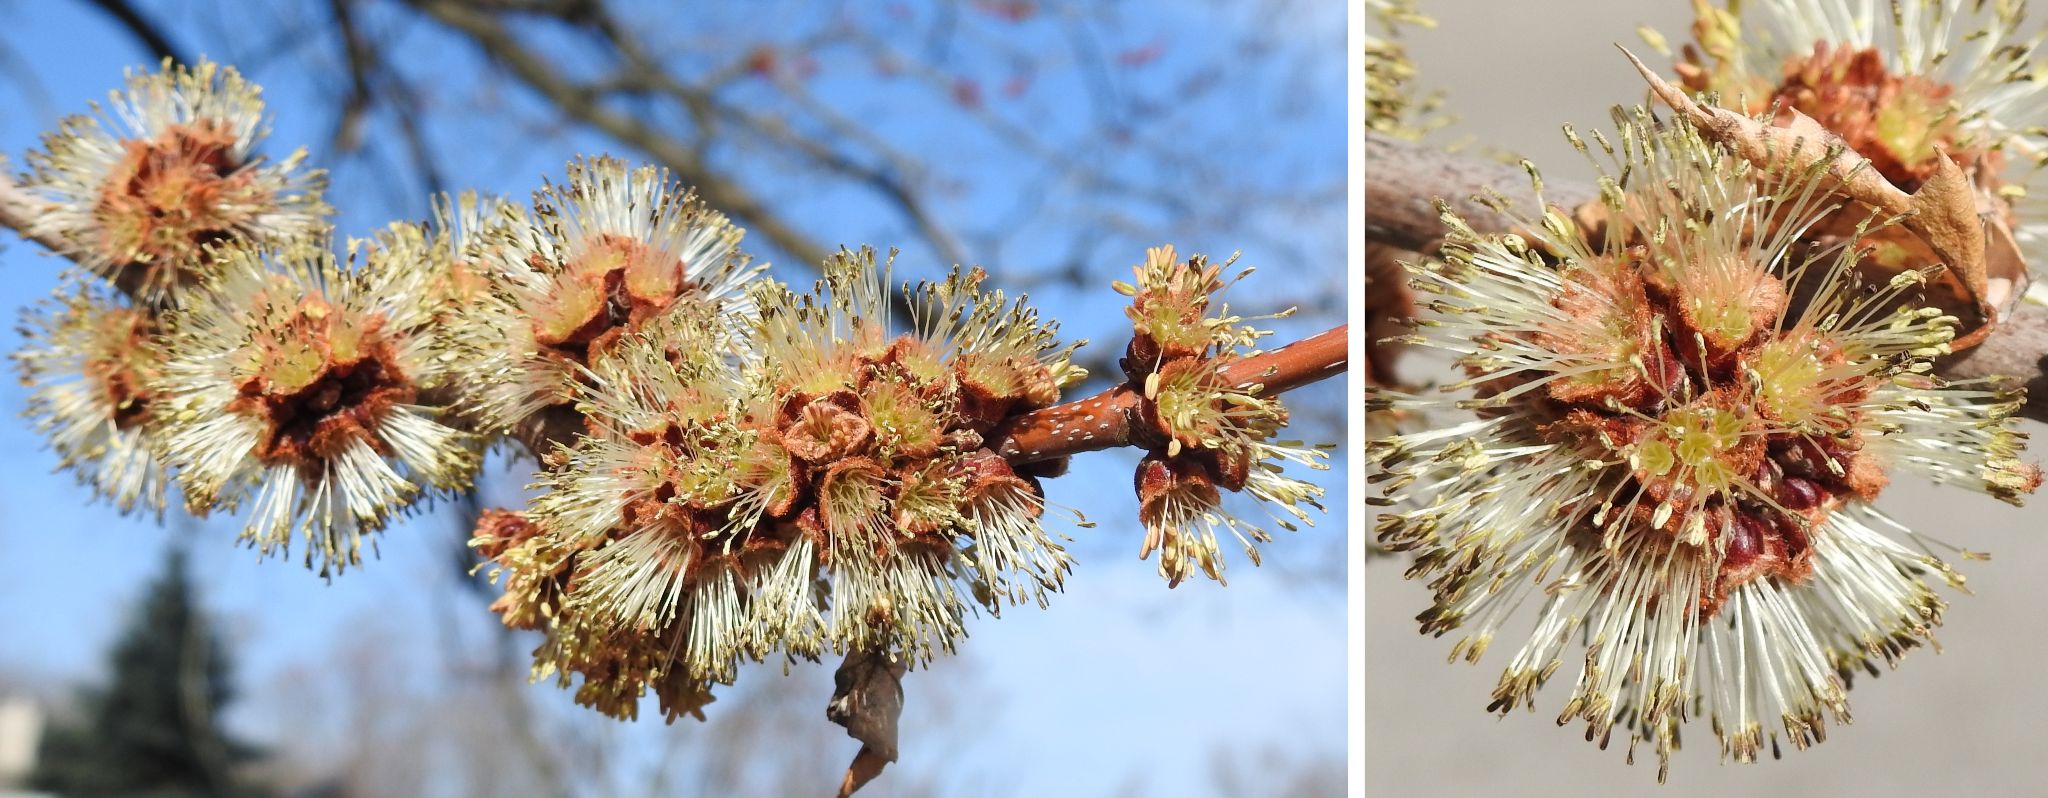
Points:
[(867, 698)]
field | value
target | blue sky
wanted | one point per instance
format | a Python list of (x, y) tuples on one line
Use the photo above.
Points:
[(1121, 682)]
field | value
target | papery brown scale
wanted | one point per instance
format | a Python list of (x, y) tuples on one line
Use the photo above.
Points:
[(1141, 356), (1765, 298), (798, 492), (763, 549), (811, 524), (1161, 479), (498, 531), (1038, 388), (123, 375), (982, 405), (1581, 426), (826, 430), (166, 190), (1796, 540), (554, 326), (1845, 89), (988, 475), (1590, 302), (861, 468), (1866, 478)]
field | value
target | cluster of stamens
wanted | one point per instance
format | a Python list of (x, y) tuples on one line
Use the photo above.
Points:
[(1682, 417), (1203, 432), (836, 494)]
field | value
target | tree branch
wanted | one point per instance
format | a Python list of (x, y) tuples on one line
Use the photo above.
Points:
[(1105, 420), (1114, 417), (145, 32), (18, 210), (541, 75), (1404, 180)]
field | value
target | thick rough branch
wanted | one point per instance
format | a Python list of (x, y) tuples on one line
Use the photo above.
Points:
[(1403, 180)]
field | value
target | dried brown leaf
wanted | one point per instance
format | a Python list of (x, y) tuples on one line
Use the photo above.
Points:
[(867, 699)]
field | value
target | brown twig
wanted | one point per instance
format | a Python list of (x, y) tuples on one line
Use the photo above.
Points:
[(1403, 180), (1114, 417), (18, 210), (146, 32)]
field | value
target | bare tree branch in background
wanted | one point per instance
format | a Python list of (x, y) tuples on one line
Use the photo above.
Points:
[(147, 33), (1054, 194)]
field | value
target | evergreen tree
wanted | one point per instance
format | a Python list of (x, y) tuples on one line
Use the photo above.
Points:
[(154, 729)]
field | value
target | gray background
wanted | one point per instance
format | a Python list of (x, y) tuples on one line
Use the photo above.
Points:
[(1967, 721)]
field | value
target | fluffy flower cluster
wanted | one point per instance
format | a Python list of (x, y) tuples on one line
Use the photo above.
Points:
[(598, 257), (247, 363), (826, 486), (1681, 424), (92, 365), (310, 386), (171, 170), (1206, 427), (759, 472)]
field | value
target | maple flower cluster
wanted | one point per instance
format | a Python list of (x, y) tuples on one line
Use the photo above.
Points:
[(1681, 421), (831, 489), (729, 470), (1203, 430)]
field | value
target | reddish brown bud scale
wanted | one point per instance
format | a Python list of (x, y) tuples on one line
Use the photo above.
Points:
[(123, 371), (158, 207), (1160, 479), (824, 430), (498, 530)]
